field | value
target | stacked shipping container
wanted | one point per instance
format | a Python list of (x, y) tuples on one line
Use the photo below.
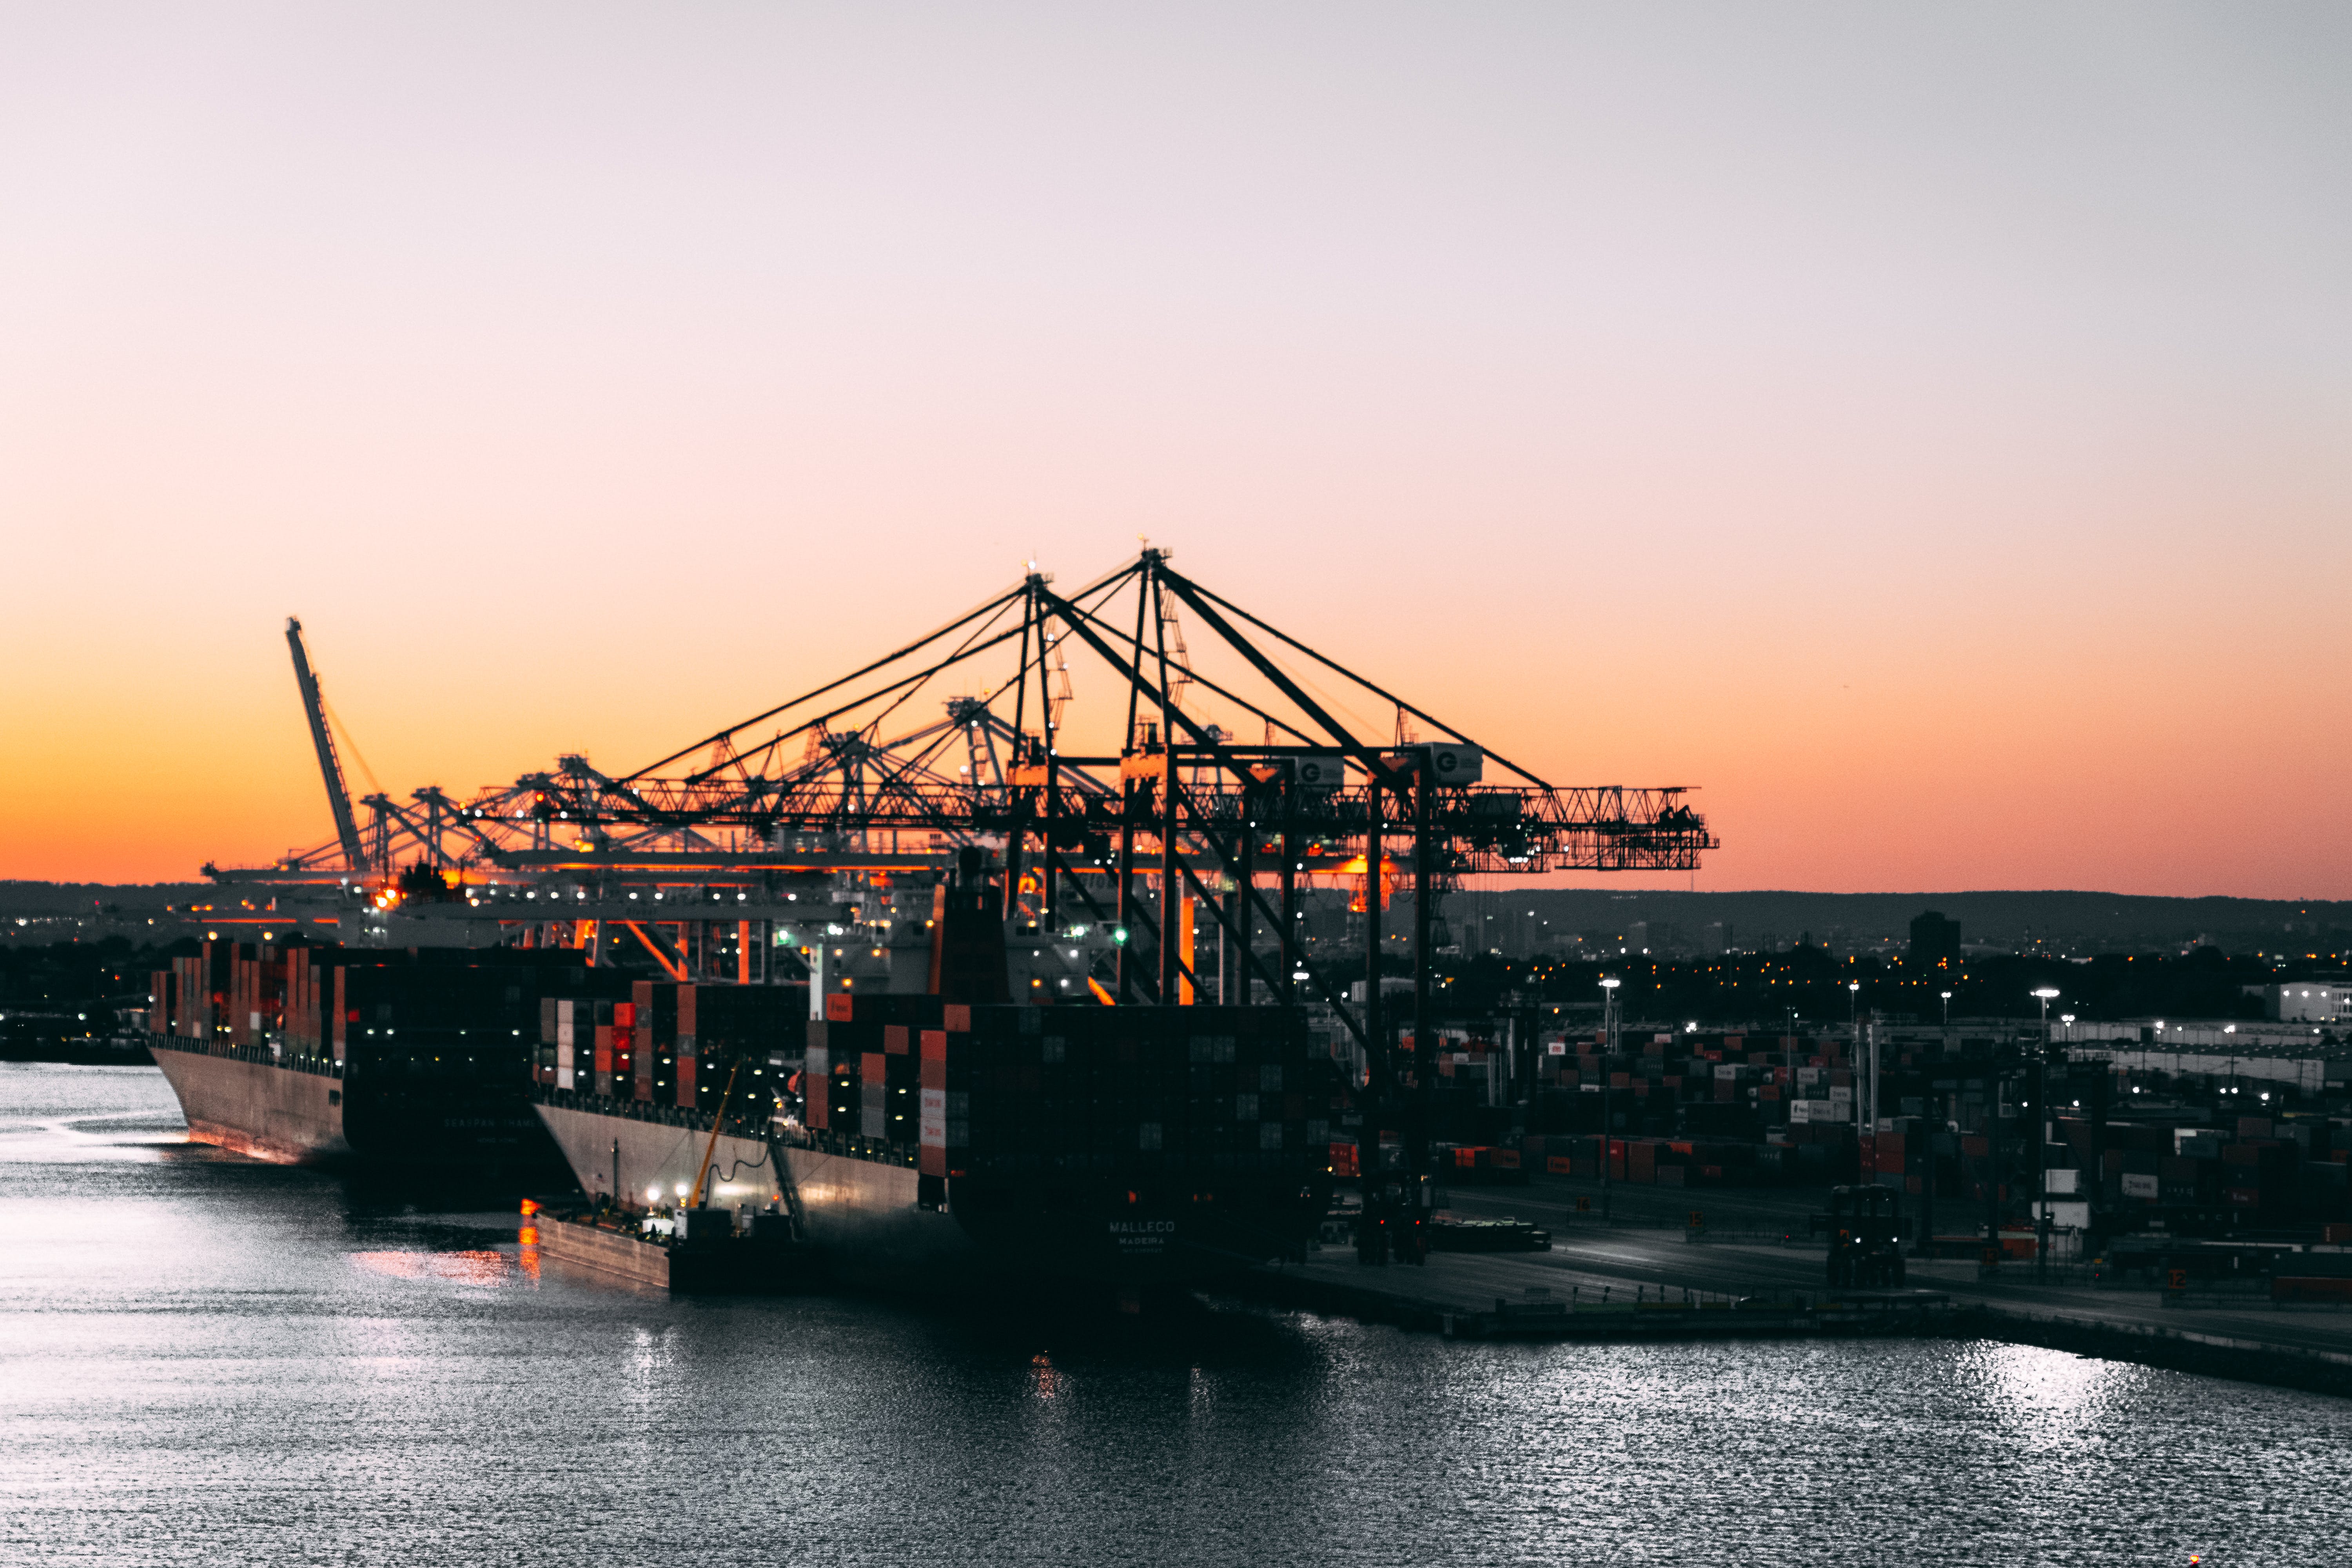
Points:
[(1141, 1091)]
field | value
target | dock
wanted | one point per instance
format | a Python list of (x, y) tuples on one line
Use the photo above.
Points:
[(1506, 1296), (1638, 1282)]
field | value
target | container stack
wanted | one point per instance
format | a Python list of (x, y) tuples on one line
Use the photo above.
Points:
[(666, 1043), (298, 1001), (1005, 1090)]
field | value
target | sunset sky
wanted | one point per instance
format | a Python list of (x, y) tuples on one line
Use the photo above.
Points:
[(1923, 428)]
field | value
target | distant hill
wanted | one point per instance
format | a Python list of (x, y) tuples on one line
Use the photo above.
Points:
[(76, 898), (1998, 919)]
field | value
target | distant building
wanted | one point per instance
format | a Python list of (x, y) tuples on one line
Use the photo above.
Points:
[(1661, 939), (1934, 938), (2305, 1001)]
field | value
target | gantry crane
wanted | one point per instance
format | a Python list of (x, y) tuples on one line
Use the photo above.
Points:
[(1079, 817)]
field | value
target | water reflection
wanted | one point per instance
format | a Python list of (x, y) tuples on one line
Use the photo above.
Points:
[(2048, 1397), (473, 1266), (209, 1360)]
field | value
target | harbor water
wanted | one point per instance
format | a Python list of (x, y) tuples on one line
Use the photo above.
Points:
[(207, 1360)]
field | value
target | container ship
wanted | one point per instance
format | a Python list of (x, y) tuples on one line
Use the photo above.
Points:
[(921, 1142), (939, 1144), (408, 1061)]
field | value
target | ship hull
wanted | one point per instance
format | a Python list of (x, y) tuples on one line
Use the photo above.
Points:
[(263, 1112), (403, 1124), (863, 1219), (869, 1221)]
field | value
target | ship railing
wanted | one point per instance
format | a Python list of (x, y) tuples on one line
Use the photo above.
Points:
[(748, 1125), (317, 1062), (850, 1146)]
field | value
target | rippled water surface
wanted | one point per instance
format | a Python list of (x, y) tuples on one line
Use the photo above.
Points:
[(208, 1361)]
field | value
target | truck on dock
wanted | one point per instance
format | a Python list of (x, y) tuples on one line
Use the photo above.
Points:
[(1865, 1238)]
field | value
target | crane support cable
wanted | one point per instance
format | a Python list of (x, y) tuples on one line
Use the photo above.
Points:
[(961, 621), (1334, 664)]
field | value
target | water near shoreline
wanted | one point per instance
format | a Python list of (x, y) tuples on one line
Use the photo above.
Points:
[(207, 1360)]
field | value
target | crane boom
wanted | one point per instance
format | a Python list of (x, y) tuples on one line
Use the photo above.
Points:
[(331, 767)]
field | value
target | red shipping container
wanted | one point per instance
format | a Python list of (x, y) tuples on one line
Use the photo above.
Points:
[(870, 1068), (817, 1091), (894, 1039)]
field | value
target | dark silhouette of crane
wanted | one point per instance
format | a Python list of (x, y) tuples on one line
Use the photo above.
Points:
[(331, 767)]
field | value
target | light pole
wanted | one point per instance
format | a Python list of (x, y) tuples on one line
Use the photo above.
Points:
[(2044, 995), (1947, 1010), (1854, 1030), (1608, 1078)]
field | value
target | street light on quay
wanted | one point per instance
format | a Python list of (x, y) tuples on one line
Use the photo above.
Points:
[(2045, 996), (1854, 1032), (1854, 1011), (1608, 983), (1948, 1009)]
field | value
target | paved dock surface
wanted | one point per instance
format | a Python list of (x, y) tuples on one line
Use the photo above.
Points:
[(1741, 1262), (1645, 1256)]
